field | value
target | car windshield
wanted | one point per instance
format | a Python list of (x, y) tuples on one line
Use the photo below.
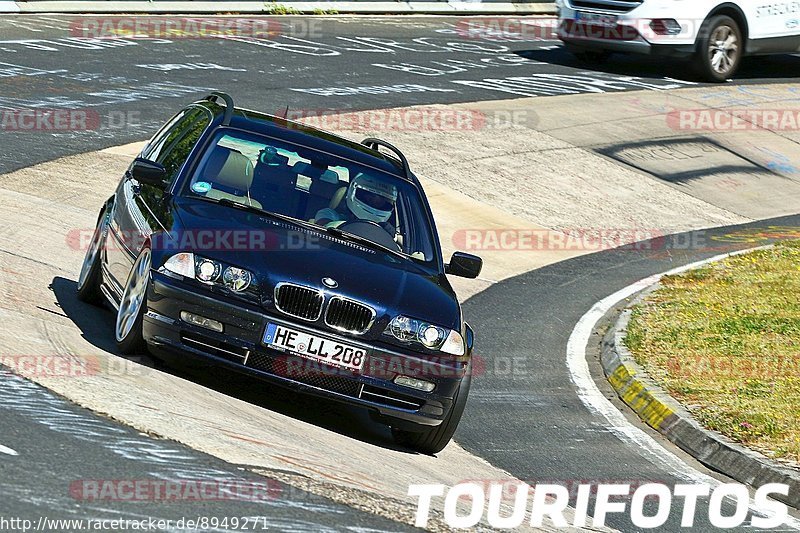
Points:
[(312, 186)]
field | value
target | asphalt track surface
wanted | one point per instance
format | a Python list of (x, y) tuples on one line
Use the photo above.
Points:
[(524, 418), (63, 450), (312, 64)]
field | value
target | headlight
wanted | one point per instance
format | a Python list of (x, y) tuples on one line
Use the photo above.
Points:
[(182, 264), (237, 279), (454, 344), (431, 336), (407, 329), (404, 328), (207, 270)]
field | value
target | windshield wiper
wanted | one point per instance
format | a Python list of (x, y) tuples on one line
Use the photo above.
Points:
[(259, 211), (336, 232), (366, 242)]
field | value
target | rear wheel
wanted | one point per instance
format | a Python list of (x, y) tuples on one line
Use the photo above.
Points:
[(89, 278), (431, 440), (128, 329), (719, 50)]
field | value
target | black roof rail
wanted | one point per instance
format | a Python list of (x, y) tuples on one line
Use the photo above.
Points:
[(374, 144), (225, 97)]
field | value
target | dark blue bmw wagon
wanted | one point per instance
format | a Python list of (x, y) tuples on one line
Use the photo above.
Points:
[(290, 254)]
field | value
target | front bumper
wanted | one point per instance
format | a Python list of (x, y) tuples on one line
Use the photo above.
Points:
[(631, 33), (241, 349)]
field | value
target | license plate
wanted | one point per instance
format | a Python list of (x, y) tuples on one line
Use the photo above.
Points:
[(314, 347), (597, 19)]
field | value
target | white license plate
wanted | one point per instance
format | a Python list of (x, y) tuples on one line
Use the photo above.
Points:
[(314, 347), (598, 19)]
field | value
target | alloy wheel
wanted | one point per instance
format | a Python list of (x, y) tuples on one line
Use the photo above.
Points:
[(723, 49), (134, 295)]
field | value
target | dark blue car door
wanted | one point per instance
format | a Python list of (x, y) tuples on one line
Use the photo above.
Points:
[(139, 209)]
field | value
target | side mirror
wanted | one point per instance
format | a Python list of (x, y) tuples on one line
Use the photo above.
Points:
[(464, 265), (148, 172)]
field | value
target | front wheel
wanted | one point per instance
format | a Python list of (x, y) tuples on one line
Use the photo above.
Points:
[(128, 329), (720, 49), (431, 440), (89, 278)]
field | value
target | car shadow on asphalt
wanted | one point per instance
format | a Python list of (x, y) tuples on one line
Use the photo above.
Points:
[(771, 68), (96, 325)]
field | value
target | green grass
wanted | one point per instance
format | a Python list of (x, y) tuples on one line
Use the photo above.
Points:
[(725, 341), (273, 8)]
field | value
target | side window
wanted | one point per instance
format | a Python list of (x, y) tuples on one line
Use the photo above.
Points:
[(171, 147), (156, 144), (180, 141)]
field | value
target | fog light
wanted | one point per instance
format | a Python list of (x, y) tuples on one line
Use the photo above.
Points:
[(414, 383), (203, 322), (666, 26)]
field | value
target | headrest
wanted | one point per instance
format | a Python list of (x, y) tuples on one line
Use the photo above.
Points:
[(329, 176), (277, 160), (229, 168)]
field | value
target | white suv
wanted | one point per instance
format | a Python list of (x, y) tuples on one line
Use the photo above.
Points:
[(715, 34)]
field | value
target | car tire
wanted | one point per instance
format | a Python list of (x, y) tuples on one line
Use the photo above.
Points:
[(719, 49), (432, 440), (132, 306), (90, 275)]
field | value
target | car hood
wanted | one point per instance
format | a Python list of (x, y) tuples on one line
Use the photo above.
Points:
[(276, 251)]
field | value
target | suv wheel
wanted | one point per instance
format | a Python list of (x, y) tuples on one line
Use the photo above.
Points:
[(431, 440), (128, 329), (720, 49)]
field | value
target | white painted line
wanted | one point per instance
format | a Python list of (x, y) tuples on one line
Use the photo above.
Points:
[(594, 400), (7, 451)]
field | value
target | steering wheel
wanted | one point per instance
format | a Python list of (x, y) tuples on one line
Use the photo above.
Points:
[(372, 231)]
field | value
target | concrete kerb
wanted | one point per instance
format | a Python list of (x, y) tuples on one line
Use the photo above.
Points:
[(666, 415), (251, 7), (9, 7)]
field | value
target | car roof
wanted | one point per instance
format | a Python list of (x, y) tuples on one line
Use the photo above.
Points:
[(309, 136)]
